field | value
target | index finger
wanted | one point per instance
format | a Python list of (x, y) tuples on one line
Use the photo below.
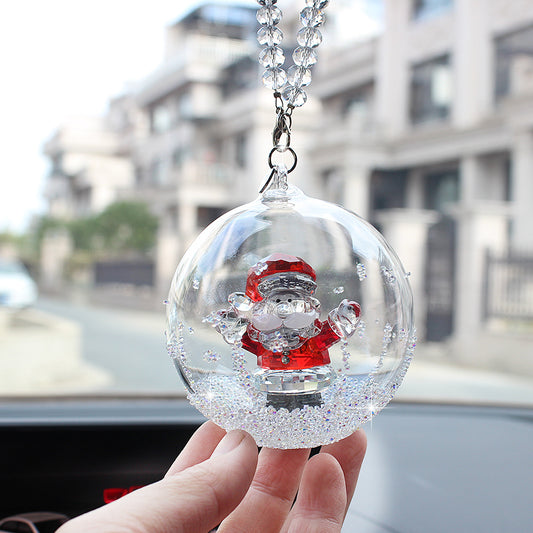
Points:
[(349, 453), (199, 448)]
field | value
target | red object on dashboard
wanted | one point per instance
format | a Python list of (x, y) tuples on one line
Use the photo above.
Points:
[(112, 494)]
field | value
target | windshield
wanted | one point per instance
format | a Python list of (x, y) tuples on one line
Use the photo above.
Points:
[(122, 150)]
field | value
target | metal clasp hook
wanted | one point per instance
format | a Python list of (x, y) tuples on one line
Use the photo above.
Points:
[(281, 139), (282, 127)]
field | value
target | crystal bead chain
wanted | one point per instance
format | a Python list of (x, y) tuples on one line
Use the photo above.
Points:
[(291, 83)]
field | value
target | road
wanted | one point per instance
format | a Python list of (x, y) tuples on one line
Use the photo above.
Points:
[(129, 345)]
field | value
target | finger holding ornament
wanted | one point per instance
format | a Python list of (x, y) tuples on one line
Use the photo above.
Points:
[(195, 499), (271, 494), (349, 453), (321, 502), (199, 448)]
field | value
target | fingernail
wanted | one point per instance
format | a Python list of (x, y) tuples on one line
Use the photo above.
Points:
[(229, 442)]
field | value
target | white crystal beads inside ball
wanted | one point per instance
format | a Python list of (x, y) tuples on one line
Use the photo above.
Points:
[(290, 318)]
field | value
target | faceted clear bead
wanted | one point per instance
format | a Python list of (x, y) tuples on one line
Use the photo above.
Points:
[(267, 2), (304, 56), (274, 78), (310, 37), (295, 96), (269, 35), (311, 17), (299, 76), (269, 15), (271, 57), (318, 4)]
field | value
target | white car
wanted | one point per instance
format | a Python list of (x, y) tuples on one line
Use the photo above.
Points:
[(17, 289)]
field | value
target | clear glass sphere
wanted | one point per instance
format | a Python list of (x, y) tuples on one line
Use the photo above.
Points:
[(291, 318)]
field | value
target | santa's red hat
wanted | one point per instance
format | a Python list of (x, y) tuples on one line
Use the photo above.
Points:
[(278, 271)]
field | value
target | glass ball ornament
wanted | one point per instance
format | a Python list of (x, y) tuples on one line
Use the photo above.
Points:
[(290, 318)]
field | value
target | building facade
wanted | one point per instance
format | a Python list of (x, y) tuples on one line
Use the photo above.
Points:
[(89, 165), (430, 136), (209, 126), (425, 129)]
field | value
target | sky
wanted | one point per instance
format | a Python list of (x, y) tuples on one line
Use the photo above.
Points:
[(61, 58)]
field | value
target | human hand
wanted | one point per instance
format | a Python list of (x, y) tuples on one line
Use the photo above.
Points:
[(219, 478)]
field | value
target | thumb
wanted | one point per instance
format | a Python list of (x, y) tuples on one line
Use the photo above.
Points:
[(192, 501)]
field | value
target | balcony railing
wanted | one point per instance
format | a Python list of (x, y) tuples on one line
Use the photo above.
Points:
[(509, 286)]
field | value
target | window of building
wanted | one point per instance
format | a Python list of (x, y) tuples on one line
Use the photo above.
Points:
[(239, 76), (160, 118), (139, 175), (169, 220), (388, 189), (241, 150), (333, 185), (508, 190), (441, 189), (82, 198), (158, 172), (357, 103), (57, 164), (423, 9), (513, 63), (205, 215), (184, 106), (431, 90), (178, 155)]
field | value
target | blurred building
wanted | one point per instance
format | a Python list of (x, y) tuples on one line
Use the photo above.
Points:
[(430, 136), (425, 129), (178, 165), (90, 165), (209, 127)]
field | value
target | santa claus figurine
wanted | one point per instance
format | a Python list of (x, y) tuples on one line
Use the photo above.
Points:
[(277, 318)]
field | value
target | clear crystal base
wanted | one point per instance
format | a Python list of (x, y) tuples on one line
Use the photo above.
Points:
[(291, 382)]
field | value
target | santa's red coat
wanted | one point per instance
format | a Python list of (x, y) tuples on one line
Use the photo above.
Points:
[(313, 352)]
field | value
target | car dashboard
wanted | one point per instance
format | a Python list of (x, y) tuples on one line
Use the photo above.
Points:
[(429, 467)]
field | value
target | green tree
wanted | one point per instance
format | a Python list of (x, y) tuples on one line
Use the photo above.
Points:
[(84, 233), (126, 226), (7, 237)]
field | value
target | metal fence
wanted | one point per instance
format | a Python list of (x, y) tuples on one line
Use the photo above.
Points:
[(139, 272), (508, 286)]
